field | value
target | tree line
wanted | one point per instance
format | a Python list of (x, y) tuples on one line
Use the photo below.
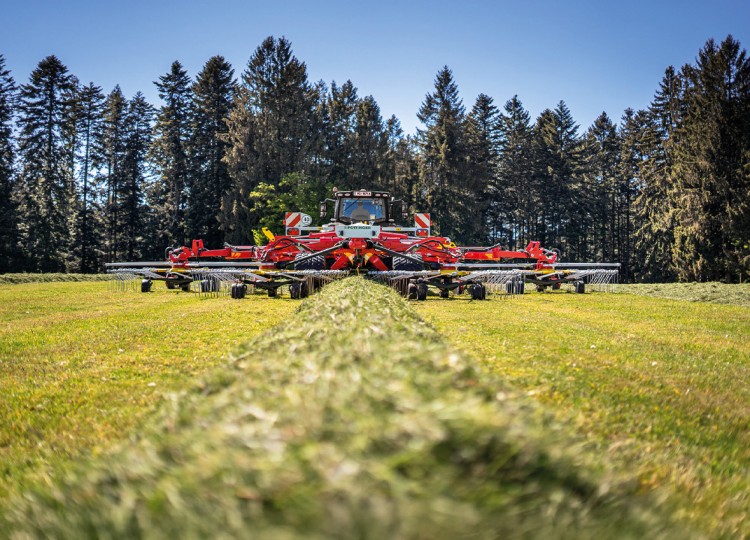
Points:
[(88, 178)]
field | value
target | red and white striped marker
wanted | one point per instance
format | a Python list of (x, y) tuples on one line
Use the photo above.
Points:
[(422, 221), (292, 219)]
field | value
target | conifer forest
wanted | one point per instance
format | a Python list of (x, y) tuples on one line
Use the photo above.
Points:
[(90, 176)]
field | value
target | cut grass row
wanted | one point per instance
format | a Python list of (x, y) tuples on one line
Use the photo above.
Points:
[(15, 279), (354, 419), (82, 364), (659, 385)]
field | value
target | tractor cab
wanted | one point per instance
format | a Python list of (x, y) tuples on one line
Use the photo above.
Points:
[(371, 207)]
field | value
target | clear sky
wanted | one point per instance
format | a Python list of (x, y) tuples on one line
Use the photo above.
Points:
[(597, 55)]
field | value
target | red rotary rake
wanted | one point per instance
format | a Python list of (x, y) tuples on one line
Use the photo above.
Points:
[(362, 237)]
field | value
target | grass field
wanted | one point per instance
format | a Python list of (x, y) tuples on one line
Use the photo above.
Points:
[(355, 418), (82, 364), (658, 385)]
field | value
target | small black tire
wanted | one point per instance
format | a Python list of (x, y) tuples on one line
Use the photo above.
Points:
[(234, 291), (445, 293), (294, 290), (421, 291), (412, 291), (146, 285), (171, 285), (580, 287), (304, 290), (556, 286), (540, 288), (272, 292)]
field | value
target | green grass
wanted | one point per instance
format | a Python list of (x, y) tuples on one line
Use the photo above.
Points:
[(14, 279), (82, 365), (353, 418), (714, 292), (659, 385)]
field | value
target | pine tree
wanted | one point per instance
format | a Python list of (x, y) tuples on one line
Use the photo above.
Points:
[(368, 148), (137, 140), (629, 183), (213, 94), (341, 119), (443, 147), (712, 209), (603, 148), (9, 260), (654, 206), (514, 198), (46, 175), (392, 136), (169, 153), (559, 166), (482, 144), (88, 231), (113, 155), (272, 131)]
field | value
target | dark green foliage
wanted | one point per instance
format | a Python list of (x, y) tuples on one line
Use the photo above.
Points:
[(482, 146), (272, 130), (711, 203), (8, 213), (88, 229), (210, 184), (167, 196), (444, 156), (138, 122), (46, 152)]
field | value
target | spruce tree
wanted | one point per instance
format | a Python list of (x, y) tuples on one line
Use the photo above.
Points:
[(169, 153), (138, 127), (513, 192), (272, 131), (482, 145), (603, 148), (46, 174), (213, 94), (88, 230), (559, 166), (655, 203), (113, 155), (368, 149), (712, 209), (9, 257), (341, 120), (443, 148)]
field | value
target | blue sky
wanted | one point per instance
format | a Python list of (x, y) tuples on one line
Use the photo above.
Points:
[(595, 55)]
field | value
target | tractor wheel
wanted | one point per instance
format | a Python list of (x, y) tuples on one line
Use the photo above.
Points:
[(478, 292), (556, 286), (412, 291), (315, 263), (272, 292), (421, 291), (294, 290), (580, 287), (146, 285), (402, 264)]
